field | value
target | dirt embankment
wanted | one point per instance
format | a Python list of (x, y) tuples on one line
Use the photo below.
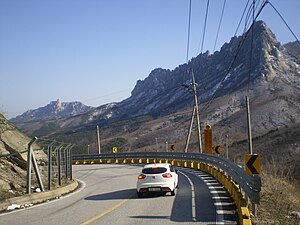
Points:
[(13, 157)]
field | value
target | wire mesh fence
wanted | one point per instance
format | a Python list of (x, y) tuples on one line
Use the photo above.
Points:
[(43, 165), (56, 165)]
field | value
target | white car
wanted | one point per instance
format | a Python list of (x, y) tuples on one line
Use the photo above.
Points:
[(160, 177)]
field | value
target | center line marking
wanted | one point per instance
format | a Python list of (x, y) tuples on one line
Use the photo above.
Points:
[(106, 211)]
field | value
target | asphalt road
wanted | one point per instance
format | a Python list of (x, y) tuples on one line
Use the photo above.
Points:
[(108, 196)]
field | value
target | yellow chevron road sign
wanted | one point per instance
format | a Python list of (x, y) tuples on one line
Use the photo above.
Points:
[(252, 163), (114, 149), (217, 150), (173, 147)]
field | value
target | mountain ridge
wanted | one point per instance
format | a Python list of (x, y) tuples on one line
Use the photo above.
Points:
[(272, 73), (53, 110)]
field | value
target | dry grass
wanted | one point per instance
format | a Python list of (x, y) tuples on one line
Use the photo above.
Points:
[(279, 197)]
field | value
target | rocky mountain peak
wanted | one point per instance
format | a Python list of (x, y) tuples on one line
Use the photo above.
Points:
[(58, 104), (54, 110)]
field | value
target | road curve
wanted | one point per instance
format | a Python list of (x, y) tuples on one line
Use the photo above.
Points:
[(108, 196)]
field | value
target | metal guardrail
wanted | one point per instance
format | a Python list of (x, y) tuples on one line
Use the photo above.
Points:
[(251, 185)]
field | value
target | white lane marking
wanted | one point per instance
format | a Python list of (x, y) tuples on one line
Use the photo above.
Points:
[(213, 184), (227, 212), (218, 192), (216, 187), (220, 197), (224, 223), (224, 203), (193, 197)]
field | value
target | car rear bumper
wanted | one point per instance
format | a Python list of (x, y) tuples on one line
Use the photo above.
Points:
[(157, 187)]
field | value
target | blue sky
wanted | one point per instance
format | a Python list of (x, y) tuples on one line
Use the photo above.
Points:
[(94, 51)]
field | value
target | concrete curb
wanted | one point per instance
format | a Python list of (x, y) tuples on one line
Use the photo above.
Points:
[(36, 198)]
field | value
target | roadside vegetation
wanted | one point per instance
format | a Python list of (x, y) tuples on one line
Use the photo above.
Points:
[(280, 199)]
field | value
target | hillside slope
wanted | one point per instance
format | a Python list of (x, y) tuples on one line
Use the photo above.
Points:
[(13, 158)]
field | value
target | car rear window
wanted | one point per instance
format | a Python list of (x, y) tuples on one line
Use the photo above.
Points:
[(154, 170)]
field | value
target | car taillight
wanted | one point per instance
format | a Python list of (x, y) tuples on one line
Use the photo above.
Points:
[(141, 176), (167, 175)]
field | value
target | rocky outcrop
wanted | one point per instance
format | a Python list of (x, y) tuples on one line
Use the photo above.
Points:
[(13, 158), (12, 142), (54, 110)]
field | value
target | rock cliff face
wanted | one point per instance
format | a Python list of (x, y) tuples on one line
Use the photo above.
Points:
[(272, 75), (12, 141)]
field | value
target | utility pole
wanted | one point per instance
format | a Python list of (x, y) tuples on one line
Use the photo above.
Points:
[(249, 126), (98, 140), (226, 145), (197, 112), (190, 131)]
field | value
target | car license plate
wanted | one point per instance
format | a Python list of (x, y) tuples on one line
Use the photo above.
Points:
[(154, 189)]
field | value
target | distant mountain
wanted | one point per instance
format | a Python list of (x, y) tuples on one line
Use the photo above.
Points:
[(293, 48), (270, 77), (54, 110)]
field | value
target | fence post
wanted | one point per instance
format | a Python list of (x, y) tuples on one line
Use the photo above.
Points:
[(37, 172), (50, 164), (29, 165), (67, 154), (58, 165), (71, 161)]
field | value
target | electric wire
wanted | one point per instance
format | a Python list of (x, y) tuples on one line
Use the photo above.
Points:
[(253, 7), (208, 103), (251, 47), (204, 28), (284, 21), (243, 14), (221, 18), (188, 34)]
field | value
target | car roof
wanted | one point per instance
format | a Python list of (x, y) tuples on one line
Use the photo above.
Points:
[(165, 165)]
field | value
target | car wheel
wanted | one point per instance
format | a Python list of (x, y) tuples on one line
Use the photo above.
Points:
[(173, 192), (139, 194)]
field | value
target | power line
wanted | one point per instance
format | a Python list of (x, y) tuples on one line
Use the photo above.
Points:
[(188, 34), (253, 7), (208, 103), (107, 95), (222, 13), (251, 47), (241, 18), (204, 28), (283, 20)]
